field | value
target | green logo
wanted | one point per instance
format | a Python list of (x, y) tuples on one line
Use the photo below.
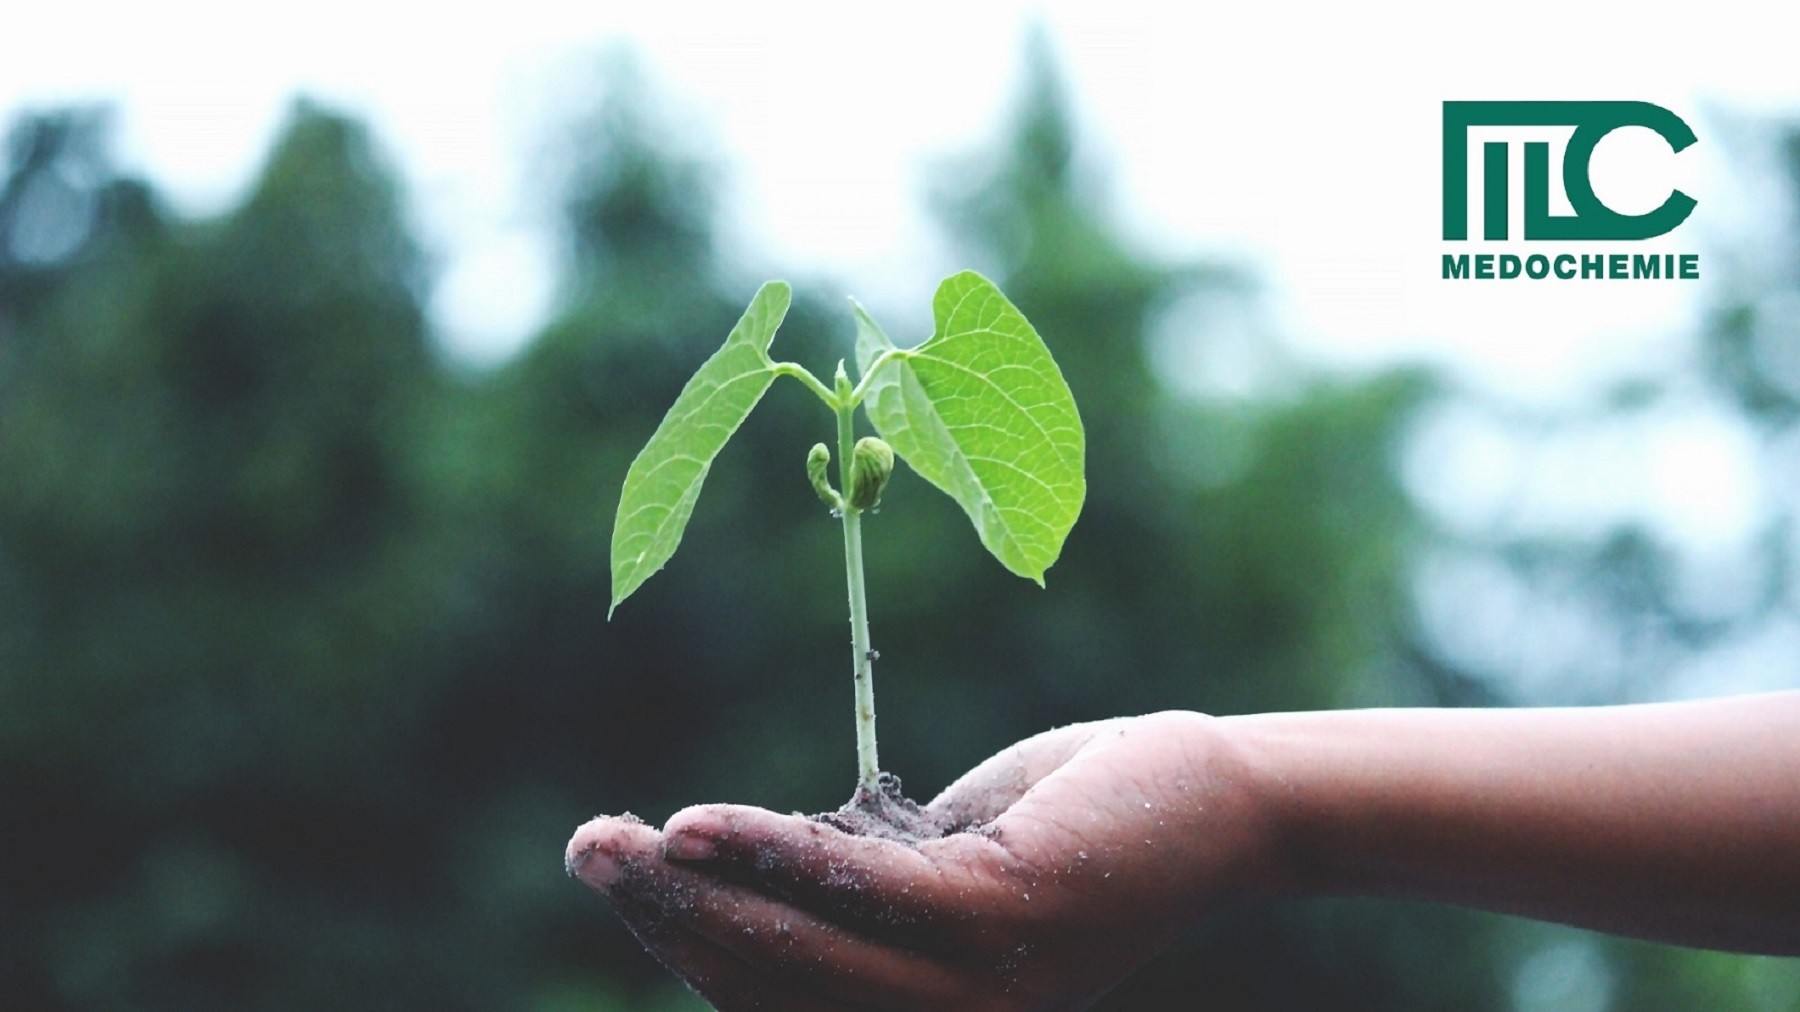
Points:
[(1592, 122)]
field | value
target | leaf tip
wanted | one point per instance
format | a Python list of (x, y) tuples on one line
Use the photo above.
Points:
[(617, 600), (966, 277)]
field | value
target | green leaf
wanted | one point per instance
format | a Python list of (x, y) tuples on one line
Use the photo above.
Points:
[(664, 481), (982, 412)]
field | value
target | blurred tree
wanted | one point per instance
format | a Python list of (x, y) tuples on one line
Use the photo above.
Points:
[(213, 581)]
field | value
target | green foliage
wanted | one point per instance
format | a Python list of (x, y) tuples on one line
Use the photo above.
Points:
[(981, 411), (665, 479)]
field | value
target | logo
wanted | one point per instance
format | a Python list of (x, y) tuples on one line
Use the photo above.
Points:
[(1591, 221)]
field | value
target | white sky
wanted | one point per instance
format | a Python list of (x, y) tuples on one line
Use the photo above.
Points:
[(1306, 140)]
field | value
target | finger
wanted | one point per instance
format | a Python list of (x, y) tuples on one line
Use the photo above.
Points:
[(980, 795), (602, 848), (612, 856), (886, 889), (715, 974), (793, 946)]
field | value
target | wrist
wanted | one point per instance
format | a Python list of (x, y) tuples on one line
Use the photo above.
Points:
[(1241, 812), (1268, 752)]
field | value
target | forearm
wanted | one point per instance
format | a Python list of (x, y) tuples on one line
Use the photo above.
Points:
[(1676, 822)]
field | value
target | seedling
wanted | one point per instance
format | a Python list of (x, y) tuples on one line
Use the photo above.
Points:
[(980, 410)]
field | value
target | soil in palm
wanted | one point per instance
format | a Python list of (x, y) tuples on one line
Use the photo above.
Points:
[(888, 814)]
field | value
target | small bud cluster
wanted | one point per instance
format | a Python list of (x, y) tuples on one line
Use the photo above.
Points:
[(871, 464)]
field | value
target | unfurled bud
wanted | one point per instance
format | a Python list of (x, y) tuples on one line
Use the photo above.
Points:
[(870, 465), (816, 461)]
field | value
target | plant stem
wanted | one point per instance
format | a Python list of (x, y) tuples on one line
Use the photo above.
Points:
[(807, 380), (867, 764), (862, 388)]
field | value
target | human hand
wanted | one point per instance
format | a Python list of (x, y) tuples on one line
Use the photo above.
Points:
[(1094, 846)]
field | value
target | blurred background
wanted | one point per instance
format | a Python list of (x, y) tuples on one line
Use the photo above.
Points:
[(317, 387)]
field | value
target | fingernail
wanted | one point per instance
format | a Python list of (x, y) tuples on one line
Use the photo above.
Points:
[(594, 866), (689, 847)]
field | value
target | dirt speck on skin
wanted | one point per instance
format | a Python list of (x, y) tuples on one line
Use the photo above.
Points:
[(888, 814)]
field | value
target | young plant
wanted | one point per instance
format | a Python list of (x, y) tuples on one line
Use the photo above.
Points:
[(980, 410)]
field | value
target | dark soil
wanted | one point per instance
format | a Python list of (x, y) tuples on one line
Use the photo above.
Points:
[(888, 814)]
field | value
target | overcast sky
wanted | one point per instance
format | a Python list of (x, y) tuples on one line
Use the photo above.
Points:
[(1305, 140)]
